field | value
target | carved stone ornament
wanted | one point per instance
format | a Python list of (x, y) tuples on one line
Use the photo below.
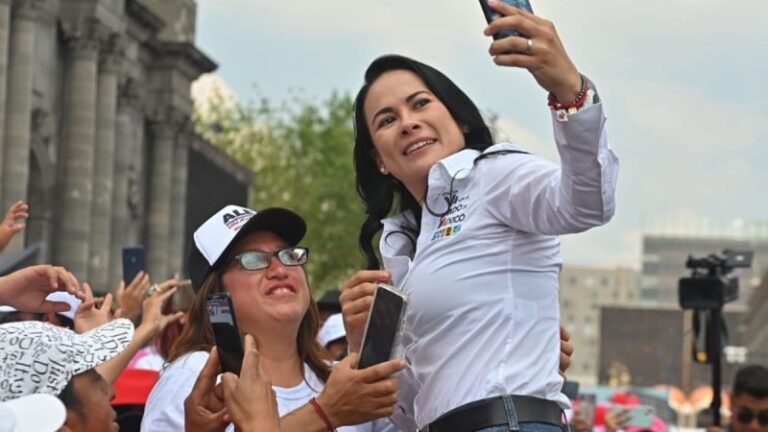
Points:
[(133, 196), (129, 94), (28, 9), (112, 53), (84, 37), (42, 124)]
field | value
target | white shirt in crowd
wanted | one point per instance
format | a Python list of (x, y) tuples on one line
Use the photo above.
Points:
[(164, 411), (483, 318)]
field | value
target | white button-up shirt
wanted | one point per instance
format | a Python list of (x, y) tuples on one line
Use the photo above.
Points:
[(483, 314)]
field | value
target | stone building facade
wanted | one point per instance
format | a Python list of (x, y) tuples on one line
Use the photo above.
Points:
[(96, 131)]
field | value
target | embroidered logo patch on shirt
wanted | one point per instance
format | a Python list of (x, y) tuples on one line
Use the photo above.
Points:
[(451, 223)]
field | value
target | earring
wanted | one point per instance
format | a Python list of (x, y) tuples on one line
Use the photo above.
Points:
[(383, 171)]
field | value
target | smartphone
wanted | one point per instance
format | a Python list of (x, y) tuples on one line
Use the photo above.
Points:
[(571, 389), (587, 408), (490, 15), (640, 416), (384, 326), (224, 324), (133, 262)]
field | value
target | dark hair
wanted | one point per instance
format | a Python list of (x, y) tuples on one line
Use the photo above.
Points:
[(15, 316), (751, 380), (379, 191), (197, 334), (69, 398)]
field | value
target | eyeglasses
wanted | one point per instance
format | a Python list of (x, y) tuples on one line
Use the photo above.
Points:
[(259, 260), (746, 416)]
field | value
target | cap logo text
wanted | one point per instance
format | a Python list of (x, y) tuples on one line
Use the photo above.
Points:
[(236, 218)]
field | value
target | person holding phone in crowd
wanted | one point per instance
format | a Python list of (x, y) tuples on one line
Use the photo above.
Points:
[(474, 245), (255, 257)]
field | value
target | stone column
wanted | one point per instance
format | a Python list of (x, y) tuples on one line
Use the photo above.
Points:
[(176, 252), (18, 121), (103, 166), (128, 110), (74, 219), (163, 136), (5, 27)]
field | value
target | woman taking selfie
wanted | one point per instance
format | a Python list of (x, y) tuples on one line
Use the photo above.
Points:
[(255, 257), (474, 242)]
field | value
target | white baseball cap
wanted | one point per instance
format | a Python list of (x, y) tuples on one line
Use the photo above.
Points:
[(56, 296), (32, 413), (36, 357), (216, 235), (332, 329)]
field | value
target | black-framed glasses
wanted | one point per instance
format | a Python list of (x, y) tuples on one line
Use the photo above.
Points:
[(259, 260), (746, 415)]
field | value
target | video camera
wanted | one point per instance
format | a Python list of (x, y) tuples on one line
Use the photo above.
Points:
[(712, 283)]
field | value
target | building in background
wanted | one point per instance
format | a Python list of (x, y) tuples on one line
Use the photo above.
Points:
[(583, 291), (96, 132), (757, 324), (666, 248), (642, 347)]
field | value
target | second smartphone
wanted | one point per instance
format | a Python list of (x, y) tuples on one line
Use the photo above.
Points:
[(228, 343), (385, 323)]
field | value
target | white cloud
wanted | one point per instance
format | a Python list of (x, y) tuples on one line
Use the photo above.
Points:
[(690, 120), (510, 130)]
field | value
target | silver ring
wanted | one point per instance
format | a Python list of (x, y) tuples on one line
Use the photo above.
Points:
[(529, 47), (154, 289)]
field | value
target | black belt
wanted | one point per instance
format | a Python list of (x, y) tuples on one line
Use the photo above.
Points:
[(493, 412)]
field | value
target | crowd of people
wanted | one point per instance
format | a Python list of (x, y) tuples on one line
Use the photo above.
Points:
[(467, 230)]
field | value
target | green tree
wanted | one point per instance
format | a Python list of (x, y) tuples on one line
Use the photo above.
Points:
[(301, 153)]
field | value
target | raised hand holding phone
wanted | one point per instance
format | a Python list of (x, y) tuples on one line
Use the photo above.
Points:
[(541, 52)]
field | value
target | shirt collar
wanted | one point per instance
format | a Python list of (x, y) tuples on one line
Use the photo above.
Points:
[(458, 164)]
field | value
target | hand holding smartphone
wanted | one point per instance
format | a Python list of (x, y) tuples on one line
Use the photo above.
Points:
[(490, 15), (221, 314), (384, 326)]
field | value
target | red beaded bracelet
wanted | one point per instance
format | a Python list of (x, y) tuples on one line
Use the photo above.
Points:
[(577, 103), (321, 414)]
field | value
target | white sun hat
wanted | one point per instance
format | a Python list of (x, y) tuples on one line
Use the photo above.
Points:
[(32, 413), (36, 357)]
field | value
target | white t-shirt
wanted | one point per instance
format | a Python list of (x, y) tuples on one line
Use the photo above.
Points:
[(164, 411), (483, 314)]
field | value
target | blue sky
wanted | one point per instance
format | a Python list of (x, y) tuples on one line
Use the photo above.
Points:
[(683, 82)]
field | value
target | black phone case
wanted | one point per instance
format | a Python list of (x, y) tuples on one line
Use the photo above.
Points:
[(227, 336), (490, 15), (134, 261), (382, 353)]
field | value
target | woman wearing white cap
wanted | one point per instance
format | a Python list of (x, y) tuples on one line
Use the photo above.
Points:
[(255, 257)]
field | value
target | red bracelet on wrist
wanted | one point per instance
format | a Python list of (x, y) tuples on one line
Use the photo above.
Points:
[(321, 414), (577, 103)]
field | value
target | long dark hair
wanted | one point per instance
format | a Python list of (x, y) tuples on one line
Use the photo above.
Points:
[(197, 334), (378, 191)]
